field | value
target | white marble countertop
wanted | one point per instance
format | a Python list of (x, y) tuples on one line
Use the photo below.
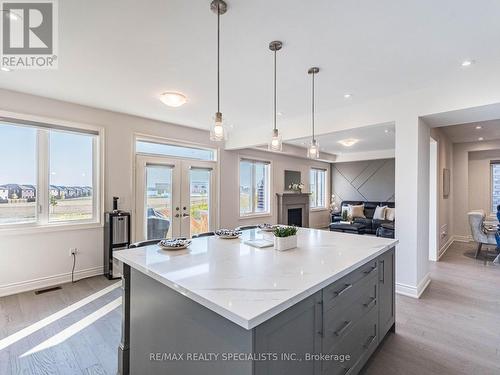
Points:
[(248, 285)]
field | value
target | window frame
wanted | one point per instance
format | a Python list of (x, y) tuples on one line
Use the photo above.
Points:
[(492, 208), (325, 187), (254, 214), (43, 125)]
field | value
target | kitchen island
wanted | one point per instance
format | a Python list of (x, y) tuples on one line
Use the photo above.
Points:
[(223, 307)]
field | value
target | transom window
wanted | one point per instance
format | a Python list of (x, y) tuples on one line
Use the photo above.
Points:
[(254, 187), (164, 149), (49, 175), (317, 187)]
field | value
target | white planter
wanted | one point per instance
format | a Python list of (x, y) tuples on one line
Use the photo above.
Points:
[(285, 243)]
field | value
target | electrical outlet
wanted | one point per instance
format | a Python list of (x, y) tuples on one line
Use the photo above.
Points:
[(73, 250)]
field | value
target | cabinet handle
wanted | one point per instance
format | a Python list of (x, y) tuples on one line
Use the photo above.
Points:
[(369, 342), (370, 270), (341, 331), (347, 369), (345, 288), (382, 263), (372, 302), (321, 331)]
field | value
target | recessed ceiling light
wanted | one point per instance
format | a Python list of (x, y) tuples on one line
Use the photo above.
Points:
[(279, 113), (480, 139), (4, 69), (466, 63), (349, 142), (347, 96), (479, 127), (173, 99)]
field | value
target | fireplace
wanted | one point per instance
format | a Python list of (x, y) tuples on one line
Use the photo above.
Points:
[(295, 216), (293, 209)]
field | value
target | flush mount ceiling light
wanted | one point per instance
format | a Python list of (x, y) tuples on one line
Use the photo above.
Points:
[(347, 96), (467, 63), (479, 127), (313, 149), (217, 132), (275, 144), (173, 99), (349, 142), (480, 139)]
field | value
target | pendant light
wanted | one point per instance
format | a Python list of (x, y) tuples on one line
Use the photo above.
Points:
[(313, 149), (275, 144), (218, 132)]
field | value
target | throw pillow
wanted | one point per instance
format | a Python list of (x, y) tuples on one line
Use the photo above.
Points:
[(390, 214), (357, 211), (379, 213)]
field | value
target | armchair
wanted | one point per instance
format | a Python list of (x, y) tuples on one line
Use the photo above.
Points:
[(478, 231), (158, 224)]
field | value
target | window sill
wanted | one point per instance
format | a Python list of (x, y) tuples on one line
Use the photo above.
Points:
[(253, 216), (33, 229), (318, 209)]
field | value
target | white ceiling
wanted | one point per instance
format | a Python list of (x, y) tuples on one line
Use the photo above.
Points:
[(490, 130), (121, 54), (372, 138)]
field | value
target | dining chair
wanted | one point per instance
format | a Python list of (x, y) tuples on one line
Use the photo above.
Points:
[(247, 227), (479, 233)]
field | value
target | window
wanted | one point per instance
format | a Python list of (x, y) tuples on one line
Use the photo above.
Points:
[(317, 187), (254, 187), (49, 174), (152, 148), (495, 185)]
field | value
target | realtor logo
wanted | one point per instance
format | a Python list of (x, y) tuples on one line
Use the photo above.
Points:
[(29, 34)]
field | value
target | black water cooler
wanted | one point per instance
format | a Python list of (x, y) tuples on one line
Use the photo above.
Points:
[(116, 238)]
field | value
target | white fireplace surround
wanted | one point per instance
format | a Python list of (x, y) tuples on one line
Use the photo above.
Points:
[(288, 201)]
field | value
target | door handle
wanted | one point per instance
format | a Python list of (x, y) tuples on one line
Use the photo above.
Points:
[(177, 215), (185, 214)]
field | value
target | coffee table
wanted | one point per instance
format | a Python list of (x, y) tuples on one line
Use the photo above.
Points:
[(355, 228)]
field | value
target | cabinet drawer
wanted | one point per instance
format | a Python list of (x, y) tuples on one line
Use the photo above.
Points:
[(344, 290), (339, 321), (362, 340)]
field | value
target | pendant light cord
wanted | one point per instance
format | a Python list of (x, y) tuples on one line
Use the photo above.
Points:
[(218, 56), (313, 107), (274, 90)]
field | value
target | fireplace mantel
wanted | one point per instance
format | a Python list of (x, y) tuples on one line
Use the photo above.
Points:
[(288, 200)]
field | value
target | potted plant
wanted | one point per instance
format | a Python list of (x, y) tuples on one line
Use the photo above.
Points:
[(285, 238), (296, 187)]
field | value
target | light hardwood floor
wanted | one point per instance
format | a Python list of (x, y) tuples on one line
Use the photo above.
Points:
[(453, 329)]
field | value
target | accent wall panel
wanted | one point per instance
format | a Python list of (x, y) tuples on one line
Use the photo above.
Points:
[(368, 180)]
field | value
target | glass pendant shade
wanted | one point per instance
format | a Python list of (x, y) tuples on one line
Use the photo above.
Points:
[(313, 150), (275, 144), (217, 132)]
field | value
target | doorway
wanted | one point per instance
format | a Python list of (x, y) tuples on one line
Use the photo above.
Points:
[(174, 197)]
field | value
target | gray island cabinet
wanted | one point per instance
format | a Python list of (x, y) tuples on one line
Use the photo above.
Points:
[(222, 307)]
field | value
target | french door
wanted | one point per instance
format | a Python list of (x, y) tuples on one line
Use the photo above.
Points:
[(174, 197)]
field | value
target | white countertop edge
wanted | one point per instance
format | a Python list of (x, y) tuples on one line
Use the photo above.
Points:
[(249, 324)]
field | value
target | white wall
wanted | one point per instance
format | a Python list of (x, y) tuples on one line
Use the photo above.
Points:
[(462, 190), (32, 258), (230, 181), (445, 204)]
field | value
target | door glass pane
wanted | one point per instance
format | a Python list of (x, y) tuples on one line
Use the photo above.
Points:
[(199, 190), (18, 174), (70, 171), (245, 187), (158, 210), (260, 188)]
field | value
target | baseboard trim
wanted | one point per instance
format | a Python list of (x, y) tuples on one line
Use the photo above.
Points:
[(45, 282), (445, 247), (460, 238), (411, 291)]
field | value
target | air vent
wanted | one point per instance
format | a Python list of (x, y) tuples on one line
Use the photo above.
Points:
[(41, 291)]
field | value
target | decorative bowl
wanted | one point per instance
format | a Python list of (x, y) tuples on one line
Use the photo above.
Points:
[(174, 244), (228, 233)]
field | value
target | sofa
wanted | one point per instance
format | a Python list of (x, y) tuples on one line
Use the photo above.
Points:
[(371, 225)]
